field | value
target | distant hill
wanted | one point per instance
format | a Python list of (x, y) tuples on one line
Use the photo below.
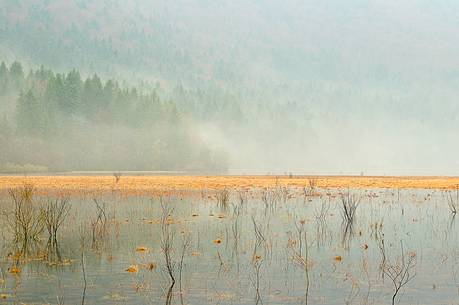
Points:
[(250, 42), (305, 84)]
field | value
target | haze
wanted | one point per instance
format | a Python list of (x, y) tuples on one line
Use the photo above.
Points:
[(302, 87)]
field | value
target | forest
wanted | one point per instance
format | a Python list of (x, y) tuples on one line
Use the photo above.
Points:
[(61, 121), (264, 86)]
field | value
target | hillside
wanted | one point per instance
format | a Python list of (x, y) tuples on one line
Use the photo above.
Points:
[(266, 80)]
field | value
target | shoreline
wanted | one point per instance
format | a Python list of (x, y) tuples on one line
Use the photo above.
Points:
[(147, 184)]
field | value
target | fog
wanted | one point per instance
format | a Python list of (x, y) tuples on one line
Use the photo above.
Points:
[(301, 87)]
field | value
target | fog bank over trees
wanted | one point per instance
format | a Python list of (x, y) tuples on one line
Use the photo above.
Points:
[(247, 86)]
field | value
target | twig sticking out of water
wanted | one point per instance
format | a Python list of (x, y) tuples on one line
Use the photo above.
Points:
[(117, 177), (186, 242), (243, 198), (453, 203), (401, 272), (310, 189), (270, 198), (83, 246), (300, 257), (350, 203), (260, 239), (167, 238), (223, 197), (99, 225)]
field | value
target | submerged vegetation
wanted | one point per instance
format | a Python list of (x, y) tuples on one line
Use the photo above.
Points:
[(169, 138), (172, 246)]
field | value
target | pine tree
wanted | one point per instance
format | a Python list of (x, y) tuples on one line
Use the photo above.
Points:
[(28, 114), (72, 89), (93, 96), (5, 130), (17, 75), (3, 79)]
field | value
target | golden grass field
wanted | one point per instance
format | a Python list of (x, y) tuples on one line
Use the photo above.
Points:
[(152, 184)]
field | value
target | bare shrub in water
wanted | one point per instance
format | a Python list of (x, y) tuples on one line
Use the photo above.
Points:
[(310, 189), (453, 203), (300, 256), (270, 198), (117, 177), (167, 246), (55, 212), (349, 205), (400, 272), (223, 197), (99, 224), (26, 221), (167, 238)]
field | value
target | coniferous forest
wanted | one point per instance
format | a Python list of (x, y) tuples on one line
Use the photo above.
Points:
[(250, 86), (63, 121)]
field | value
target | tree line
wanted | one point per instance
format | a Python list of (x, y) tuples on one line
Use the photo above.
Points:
[(47, 110)]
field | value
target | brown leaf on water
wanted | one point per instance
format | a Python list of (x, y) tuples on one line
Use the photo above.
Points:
[(151, 266), (142, 249), (15, 270), (133, 269)]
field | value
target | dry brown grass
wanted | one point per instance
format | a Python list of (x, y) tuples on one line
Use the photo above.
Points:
[(154, 184)]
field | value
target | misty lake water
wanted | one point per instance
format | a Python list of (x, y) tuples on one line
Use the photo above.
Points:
[(272, 247)]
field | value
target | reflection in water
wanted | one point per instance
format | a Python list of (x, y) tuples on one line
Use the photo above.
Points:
[(269, 246)]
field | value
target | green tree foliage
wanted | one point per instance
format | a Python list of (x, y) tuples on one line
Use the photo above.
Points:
[(28, 114), (3, 79), (72, 93), (64, 121), (16, 75)]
